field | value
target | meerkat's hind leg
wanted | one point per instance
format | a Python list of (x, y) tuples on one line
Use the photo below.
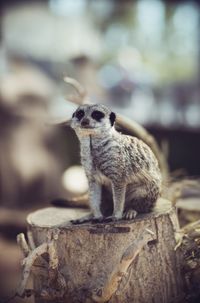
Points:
[(142, 198)]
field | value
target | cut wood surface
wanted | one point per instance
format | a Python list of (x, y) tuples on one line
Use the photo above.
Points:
[(124, 261)]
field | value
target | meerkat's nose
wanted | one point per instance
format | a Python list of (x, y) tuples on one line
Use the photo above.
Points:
[(85, 122)]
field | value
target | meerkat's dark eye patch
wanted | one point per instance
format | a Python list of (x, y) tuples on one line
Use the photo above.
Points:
[(112, 118), (97, 115), (79, 114)]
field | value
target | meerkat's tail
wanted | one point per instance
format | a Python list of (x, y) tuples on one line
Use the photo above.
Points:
[(81, 202)]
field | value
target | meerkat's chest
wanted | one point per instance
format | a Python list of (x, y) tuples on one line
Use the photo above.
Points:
[(89, 159)]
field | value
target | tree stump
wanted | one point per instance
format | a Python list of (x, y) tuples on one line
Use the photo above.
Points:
[(116, 262)]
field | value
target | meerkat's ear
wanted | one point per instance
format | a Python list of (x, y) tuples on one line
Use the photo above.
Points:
[(73, 115), (112, 118)]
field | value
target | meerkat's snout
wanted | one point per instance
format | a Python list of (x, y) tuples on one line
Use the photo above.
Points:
[(85, 122)]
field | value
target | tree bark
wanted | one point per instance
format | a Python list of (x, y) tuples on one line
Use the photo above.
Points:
[(116, 262)]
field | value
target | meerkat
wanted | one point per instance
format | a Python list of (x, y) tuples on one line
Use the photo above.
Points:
[(122, 163)]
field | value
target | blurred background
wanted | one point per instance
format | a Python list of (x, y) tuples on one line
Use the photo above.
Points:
[(141, 58)]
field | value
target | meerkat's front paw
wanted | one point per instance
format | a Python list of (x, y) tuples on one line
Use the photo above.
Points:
[(99, 219), (130, 214), (113, 218), (84, 219), (117, 215)]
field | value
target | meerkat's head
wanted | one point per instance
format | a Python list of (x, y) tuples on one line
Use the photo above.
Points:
[(92, 119)]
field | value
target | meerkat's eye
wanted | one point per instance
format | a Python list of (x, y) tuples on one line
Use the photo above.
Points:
[(97, 115), (79, 114)]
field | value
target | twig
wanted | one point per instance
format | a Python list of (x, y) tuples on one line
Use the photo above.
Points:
[(30, 240), (111, 286), (79, 88), (190, 227), (21, 241), (190, 231), (28, 263), (33, 254)]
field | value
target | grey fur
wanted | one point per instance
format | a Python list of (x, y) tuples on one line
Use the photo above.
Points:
[(122, 163)]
